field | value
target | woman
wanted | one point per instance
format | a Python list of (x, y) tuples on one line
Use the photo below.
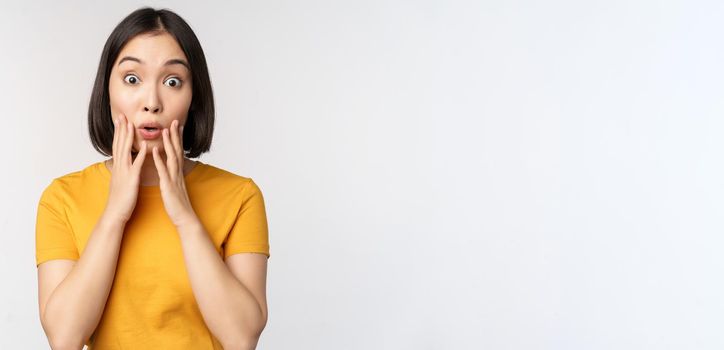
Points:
[(149, 249)]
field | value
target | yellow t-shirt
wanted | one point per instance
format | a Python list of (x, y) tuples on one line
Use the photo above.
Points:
[(151, 304)]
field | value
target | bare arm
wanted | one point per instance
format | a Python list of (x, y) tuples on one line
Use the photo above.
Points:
[(72, 305), (71, 312), (235, 313)]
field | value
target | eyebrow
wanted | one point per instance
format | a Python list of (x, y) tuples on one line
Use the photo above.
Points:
[(168, 63)]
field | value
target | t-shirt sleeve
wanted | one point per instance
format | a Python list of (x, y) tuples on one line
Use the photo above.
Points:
[(250, 232), (53, 237)]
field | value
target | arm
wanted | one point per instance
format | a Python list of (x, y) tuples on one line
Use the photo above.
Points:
[(234, 312), (70, 312)]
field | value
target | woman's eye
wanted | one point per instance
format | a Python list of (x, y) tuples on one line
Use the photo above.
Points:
[(174, 82), (131, 79)]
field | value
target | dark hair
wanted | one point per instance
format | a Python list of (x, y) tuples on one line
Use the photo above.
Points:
[(199, 127)]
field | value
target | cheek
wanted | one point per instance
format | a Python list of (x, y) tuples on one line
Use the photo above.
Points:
[(178, 107), (120, 101)]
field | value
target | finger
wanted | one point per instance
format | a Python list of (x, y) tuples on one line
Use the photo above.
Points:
[(181, 142), (162, 174), (171, 162), (138, 163), (178, 149), (121, 138), (115, 138), (129, 143)]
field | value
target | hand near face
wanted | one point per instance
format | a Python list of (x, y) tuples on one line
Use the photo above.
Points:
[(125, 174), (171, 176)]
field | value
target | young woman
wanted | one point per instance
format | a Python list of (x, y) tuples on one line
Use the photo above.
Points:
[(149, 249)]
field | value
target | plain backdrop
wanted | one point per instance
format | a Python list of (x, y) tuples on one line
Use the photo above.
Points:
[(437, 174)]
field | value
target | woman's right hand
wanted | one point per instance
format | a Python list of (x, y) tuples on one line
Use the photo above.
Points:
[(125, 174)]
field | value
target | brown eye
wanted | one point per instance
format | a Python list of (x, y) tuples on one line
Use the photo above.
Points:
[(174, 82), (131, 79)]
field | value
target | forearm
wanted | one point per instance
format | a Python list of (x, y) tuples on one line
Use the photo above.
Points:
[(229, 309), (76, 305)]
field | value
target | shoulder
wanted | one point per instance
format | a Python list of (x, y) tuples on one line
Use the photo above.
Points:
[(221, 175), (230, 181), (69, 182)]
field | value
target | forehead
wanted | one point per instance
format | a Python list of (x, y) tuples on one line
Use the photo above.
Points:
[(152, 49)]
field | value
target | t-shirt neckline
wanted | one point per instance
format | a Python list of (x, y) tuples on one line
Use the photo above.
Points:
[(154, 190)]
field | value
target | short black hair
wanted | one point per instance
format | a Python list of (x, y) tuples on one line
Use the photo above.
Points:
[(199, 127)]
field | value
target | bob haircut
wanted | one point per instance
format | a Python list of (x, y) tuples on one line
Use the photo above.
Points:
[(199, 127)]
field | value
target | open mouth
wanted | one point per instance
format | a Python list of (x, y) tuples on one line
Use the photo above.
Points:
[(149, 133)]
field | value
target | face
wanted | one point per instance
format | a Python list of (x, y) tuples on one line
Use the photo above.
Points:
[(150, 82)]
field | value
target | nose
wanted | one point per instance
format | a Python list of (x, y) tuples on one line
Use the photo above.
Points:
[(152, 109), (153, 103)]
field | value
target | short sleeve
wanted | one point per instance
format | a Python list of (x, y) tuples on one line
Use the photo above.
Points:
[(53, 237), (250, 232)]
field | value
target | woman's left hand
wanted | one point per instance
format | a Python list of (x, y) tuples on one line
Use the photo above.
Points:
[(171, 177)]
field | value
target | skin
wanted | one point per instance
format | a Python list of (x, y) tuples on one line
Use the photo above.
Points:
[(239, 280), (231, 292), (151, 92)]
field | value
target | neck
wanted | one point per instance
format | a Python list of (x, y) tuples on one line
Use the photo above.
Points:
[(149, 174)]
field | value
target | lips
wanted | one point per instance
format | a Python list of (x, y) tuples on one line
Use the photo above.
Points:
[(150, 126), (150, 130)]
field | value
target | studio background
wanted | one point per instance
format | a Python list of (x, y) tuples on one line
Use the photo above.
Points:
[(437, 174)]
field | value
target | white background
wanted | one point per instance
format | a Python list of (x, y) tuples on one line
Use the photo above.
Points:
[(437, 174)]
